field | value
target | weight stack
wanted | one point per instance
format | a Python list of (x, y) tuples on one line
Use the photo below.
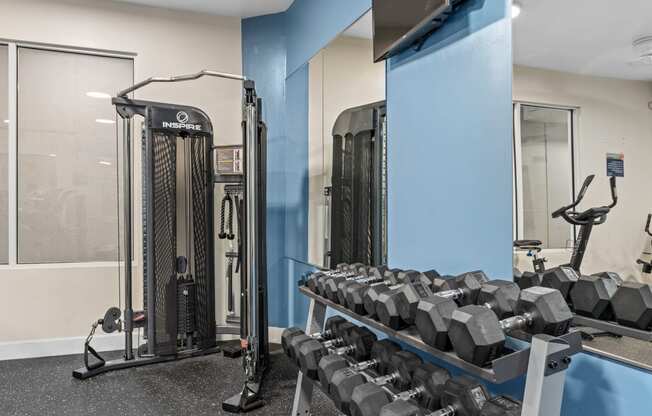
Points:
[(186, 306)]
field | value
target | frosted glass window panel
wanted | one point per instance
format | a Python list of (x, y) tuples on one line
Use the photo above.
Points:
[(67, 178), (4, 135), (546, 174)]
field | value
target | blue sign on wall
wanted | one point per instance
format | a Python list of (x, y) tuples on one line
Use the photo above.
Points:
[(616, 164)]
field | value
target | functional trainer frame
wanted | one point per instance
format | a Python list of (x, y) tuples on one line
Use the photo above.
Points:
[(254, 325), (179, 290)]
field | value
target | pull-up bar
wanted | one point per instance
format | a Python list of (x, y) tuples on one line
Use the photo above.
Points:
[(180, 78)]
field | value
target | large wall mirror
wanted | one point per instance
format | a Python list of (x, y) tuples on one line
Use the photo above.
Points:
[(347, 203), (583, 117)]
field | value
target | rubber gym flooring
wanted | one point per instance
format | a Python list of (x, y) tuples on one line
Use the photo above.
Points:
[(196, 386)]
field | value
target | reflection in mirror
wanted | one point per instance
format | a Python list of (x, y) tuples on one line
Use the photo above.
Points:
[(583, 106), (347, 151)]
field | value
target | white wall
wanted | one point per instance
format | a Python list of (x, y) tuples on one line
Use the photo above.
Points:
[(341, 76), (613, 117), (50, 301)]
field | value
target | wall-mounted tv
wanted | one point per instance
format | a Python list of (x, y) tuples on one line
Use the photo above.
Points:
[(398, 24)]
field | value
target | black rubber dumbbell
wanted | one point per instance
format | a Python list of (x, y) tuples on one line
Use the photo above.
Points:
[(478, 336), (591, 296), (356, 342), (428, 386), (561, 278), (434, 313), (462, 397), (349, 293), (373, 274), (632, 305), (335, 339), (413, 284), (397, 308), (327, 286), (289, 334), (401, 368), (381, 353), (343, 269)]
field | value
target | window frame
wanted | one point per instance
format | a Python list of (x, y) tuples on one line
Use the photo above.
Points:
[(12, 150), (517, 185)]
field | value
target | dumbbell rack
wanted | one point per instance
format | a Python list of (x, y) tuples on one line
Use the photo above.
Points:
[(612, 328), (544, 363)]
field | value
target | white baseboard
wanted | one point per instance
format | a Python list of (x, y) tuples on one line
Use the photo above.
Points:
[(274, 334), (51, 347), (59, 346)]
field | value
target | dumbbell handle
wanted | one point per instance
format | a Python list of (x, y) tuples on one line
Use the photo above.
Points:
[(323, 335), (516, 322), (409, 394), (454, 294), (446, 411), (347, 349), (333, 343), (364, 365), (386, 379)]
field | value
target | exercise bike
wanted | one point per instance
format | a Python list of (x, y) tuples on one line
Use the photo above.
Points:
[(586, 220), (647, 265)]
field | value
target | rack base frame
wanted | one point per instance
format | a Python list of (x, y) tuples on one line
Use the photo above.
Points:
[(544, 363)]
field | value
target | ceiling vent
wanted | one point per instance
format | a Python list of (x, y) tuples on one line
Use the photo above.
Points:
[(643, 50)]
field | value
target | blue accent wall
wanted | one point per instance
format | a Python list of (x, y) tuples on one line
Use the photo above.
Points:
[(275, 50), (312, 24), (264, 54), (449, 117), (296, 184)]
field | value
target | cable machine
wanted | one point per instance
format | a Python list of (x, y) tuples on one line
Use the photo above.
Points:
[(178, 317)]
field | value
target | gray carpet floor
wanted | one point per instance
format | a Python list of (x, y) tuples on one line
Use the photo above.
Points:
[(195, 386)]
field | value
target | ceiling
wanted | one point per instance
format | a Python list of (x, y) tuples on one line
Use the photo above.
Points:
[(591, 37), (237, 8)]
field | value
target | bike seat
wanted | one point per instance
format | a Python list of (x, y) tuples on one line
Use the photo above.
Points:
[(527, 243)]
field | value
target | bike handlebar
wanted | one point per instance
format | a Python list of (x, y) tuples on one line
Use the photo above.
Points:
[(596, 215)]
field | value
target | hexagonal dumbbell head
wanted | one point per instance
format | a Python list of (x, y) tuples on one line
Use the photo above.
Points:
[(287, 336), (632, 305), (400, 368), (591, 296), (501, 406), (367, 400), (381, 351), (549, 313), (387, 308), (335, 326), (391, 276), (411, 293), (341, 388), (561, 278), (431, 379), (615, 277), (476, 334), (529, 279), (328, 365), (432, 319), (464, 395), (370, 297), (354, 300), (500, 296), (402, 408), (359, 342), (469, 284), (443, 283)]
